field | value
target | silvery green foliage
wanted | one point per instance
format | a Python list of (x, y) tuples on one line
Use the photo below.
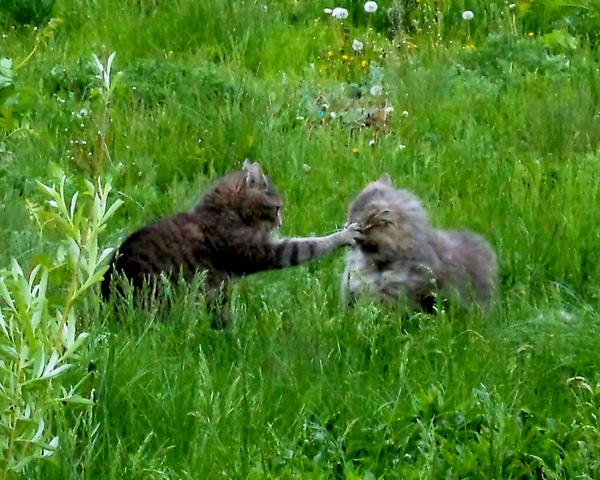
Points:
[(105, 91), (9, 119), (40, 341), (5, 72)]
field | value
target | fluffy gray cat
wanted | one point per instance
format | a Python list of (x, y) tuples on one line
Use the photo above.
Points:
[(401, 257)]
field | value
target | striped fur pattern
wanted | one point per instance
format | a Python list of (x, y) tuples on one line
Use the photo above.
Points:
[(227, 235), (400, 256)]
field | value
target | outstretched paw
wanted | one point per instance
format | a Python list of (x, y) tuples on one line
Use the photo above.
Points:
[(352, 233)]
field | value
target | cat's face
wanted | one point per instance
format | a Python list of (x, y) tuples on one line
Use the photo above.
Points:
[(382, 227), (373, 192), (260, 203), (382, 223)]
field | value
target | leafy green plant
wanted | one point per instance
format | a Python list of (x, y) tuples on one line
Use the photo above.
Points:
[(16, 100), (104, 91), (578, 17), (498, 57), (40, 340), (11, 112)]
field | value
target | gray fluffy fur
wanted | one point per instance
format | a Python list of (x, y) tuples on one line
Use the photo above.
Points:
[(400, 256)]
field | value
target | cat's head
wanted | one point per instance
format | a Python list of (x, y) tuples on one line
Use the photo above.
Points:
[(373, 192), (259, 204), (390, 219)]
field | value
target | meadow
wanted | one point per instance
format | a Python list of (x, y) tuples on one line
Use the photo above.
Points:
[(491, 117)]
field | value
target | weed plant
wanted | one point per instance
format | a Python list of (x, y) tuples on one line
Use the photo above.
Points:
[(492, 121)]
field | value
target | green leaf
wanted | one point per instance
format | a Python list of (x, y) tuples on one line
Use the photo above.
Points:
[(6, 294), (5, 72), (113, 208), (72, 348), (77, 400)]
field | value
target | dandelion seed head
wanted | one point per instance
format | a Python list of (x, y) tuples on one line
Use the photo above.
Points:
[(357, 45), (468, 15), (328, 11), (370, 7), (376, 90), (339, 13)]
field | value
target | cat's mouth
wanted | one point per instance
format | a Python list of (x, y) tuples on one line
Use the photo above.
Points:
[(367, 245)]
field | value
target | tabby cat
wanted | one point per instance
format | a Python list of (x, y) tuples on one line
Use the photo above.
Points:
[(400, 256), (228, 234)]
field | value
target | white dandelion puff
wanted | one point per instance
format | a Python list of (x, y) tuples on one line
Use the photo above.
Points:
[(370, 7), (339, 13), (468, 15), (376, 90), (328, 11), (357, 45)]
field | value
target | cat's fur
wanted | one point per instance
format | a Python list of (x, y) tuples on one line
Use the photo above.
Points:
[(400, 256), (228, 234)]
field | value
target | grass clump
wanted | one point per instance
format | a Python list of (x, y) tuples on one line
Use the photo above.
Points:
[(491, 120)]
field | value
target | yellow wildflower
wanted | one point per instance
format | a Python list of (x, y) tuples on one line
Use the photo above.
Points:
[(363, 63), (344, 58), (530, 34), (355, 151)]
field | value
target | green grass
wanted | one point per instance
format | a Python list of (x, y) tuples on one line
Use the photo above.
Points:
[(502, 139)]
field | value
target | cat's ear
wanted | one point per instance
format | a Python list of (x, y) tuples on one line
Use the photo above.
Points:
[(385, 179), (385, 216), (247, 165), (379, 216), (254, 175)]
